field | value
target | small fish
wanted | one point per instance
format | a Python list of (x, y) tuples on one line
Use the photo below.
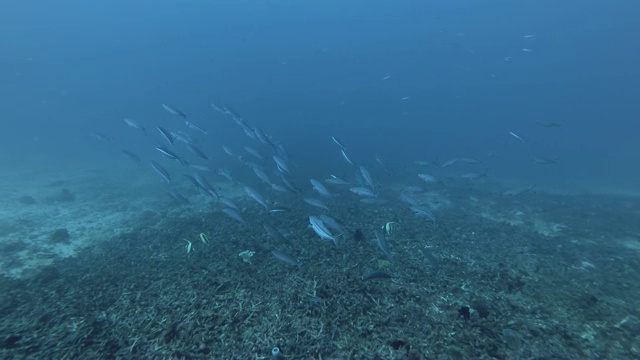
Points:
[(256, 196), (467, 160), (376, 275), (179, 198), (102, 137), (362, 191), (226, 174), (526, 50), (174, 111), (196, 127), (262, 136), (422, 212), (181, 136), (199, 153), (228, 150), (428, 178), (205, 187), (280, 188), (381, 241), (167, 153), (321, 229), (474, 176), (422, 162), (336, 180), (450, 162), (332, 224), (519, 190), (160, 170), (254, 152), (132, 156), (338, 142), (135, 125), (346, 158), (166, 135), (317, 186), (367, 177), (516, 136), (544, 161), (281, 164), (285, 258), (316, 203), (201, 167), (548, 124), (274, 233), (259, 171), (408, 199), (188, 247), (204, 238), (234, 215)]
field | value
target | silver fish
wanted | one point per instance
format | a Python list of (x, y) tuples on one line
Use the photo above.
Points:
[(408, 199), (544, 161), (281, 164), (254, 152), (321, 229), (135, 125), (234, 215), (174, 111), (346, 158), (519, 190), (166, 135), (332, 224), (181, 136), (262, 136), (285, 258), (179, 198), (230, 204), (450, 162), (336, 180), (516, 136), (474, 176), (261, 174), (338, 142), (161, 171), (228, 151), (316, 203), (367, 176), (199, 153), (428, 178), (423, 212), (256, 196), (362, 191), (132, 156), (194, 126), (167, 153), (275, 233), (381, 241), (375, 275), (226, 174), (317, 186)]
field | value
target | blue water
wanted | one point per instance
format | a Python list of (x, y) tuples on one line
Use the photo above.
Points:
[(304, 70)]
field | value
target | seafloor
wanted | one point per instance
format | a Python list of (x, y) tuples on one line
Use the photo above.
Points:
[(534, 276)]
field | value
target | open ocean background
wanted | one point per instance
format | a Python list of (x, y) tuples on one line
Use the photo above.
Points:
[(308, 69)]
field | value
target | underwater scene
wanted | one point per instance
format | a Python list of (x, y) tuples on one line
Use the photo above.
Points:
[(279, 179)]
